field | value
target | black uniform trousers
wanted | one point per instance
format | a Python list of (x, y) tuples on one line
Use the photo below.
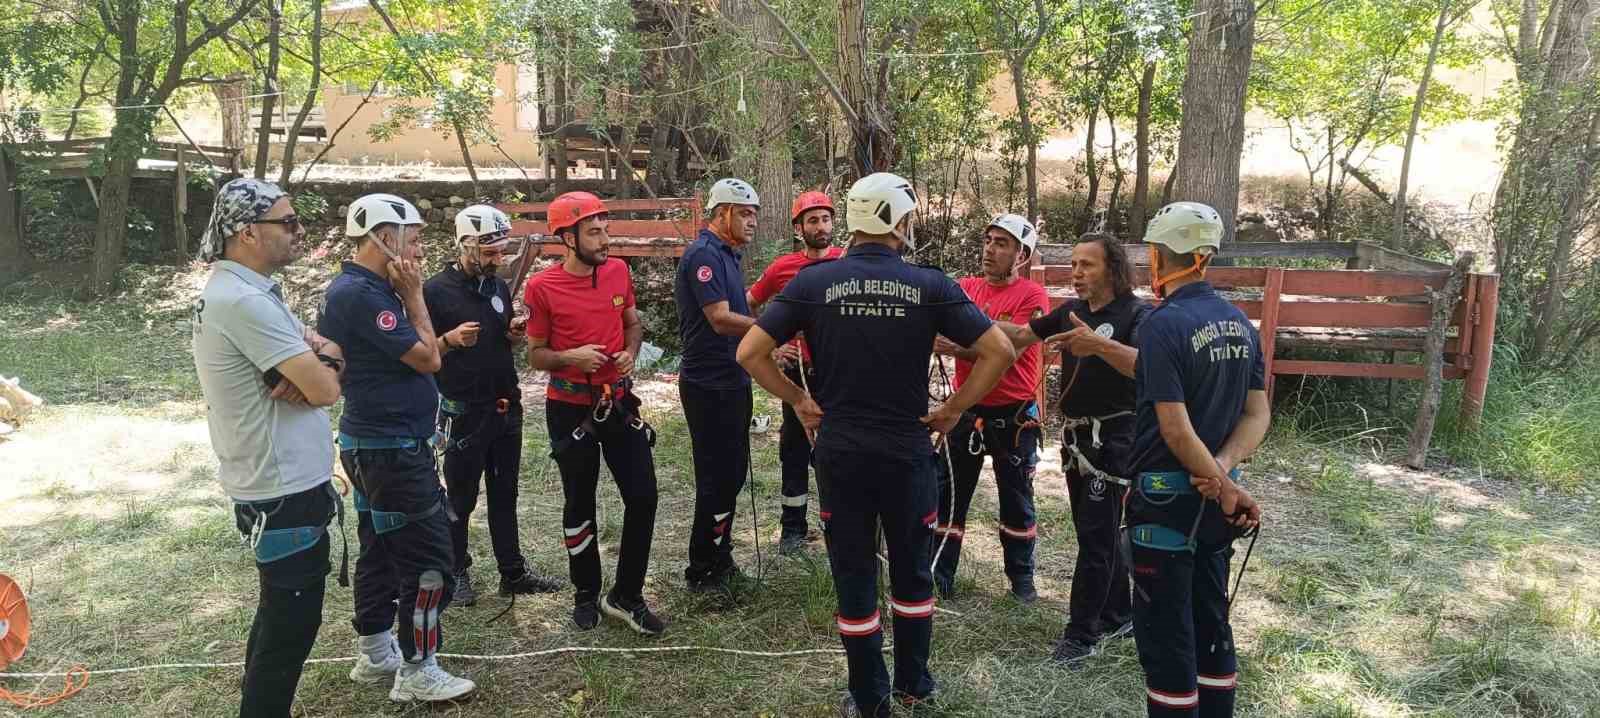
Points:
[(1015, 454), (289, 612), (626, 448), (794, 454), (1100, 601), (1180, 618), (484, 443), (719, 434), (861, 493), (393, 564)]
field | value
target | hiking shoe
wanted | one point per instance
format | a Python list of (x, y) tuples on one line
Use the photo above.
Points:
[(847, 706), (465, 594), (1022, 589), (1123, 631), (529, 582), (636, 614), (428, 682), (731, 581), (586, 614), (1070, 652), (792, 545), (917, 703), (367, 671)]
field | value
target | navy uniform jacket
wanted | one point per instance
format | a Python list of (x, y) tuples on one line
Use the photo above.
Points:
[(870, 319), (1200, 350), (485, 371), (383, 398), (709, 273)]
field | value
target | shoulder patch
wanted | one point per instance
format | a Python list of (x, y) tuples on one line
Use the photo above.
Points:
[(617, 301), (704, 273), (387, 321)]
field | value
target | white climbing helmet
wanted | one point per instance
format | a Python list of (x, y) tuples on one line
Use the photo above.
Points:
[(1019, 228), (877, 202), (1186, 228), (732, 191), (376, 209), (483, 223)]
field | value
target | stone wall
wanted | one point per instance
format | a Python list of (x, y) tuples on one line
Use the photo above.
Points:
[(441, 201)]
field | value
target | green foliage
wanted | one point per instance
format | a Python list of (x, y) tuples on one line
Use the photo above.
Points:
[(1342, 76)]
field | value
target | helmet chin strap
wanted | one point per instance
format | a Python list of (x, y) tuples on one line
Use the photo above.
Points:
[(1159, 281)]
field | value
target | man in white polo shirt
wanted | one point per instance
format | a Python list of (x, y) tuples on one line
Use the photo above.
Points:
[(267, 380)]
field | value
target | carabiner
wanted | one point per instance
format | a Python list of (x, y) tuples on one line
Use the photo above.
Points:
[(975, 439)]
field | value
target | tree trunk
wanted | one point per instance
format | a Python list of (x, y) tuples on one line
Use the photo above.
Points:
[(293, 137), (1553, 294), (1443, 303), (765, 127), (1091, 170), (558, 95), (235, 110), (1398, 237), (1117, 177), (1019, 81), (1211, 136), (270, 100), (872, 137), (14, 259), (1140, 209), (111, 231)]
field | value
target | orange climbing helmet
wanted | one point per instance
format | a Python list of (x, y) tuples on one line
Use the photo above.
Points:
[(571, 208), (809, 201)]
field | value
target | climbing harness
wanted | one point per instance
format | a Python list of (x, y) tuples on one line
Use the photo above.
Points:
[(1069, 440), (271, 545)]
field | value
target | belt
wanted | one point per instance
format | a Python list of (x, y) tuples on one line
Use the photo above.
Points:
[(359, 443), (458, 407), (572, 387), (1165, 483), (1007, 416), (1073, 423)]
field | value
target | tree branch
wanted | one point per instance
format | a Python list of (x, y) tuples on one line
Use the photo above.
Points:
[(833, 87)]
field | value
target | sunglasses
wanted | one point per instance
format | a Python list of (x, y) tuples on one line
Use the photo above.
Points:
[(292, 220)]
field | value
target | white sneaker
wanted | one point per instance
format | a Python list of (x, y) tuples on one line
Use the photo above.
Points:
[(429, 682), (366, 671)]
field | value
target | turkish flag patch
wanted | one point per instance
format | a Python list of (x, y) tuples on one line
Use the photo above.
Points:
[(387, 321), (704, 275)]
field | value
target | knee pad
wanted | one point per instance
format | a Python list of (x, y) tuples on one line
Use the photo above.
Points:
[(425, 614)]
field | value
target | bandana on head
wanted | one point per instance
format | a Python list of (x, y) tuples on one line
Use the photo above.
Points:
[(239, 203)]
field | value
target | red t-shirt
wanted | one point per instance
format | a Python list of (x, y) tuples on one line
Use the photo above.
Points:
[(777, 277), (1017, 302), (569, 311)]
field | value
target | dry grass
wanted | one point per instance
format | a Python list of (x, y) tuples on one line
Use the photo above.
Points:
[(1373, 592)]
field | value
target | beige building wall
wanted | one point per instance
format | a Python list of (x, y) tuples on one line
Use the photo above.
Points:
[(515, 122)]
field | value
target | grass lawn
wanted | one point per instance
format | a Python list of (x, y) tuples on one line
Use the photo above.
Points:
[(1374, 591)]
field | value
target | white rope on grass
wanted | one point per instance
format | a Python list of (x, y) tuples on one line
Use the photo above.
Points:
[(469, 657)]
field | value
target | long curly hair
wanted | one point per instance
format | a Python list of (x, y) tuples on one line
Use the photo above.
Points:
[(1118, 266)]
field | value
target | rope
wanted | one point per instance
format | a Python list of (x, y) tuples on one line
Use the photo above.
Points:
[(78, 671), (77, 678)]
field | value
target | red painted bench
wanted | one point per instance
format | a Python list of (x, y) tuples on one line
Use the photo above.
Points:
[(670, 226), (1357, 308)]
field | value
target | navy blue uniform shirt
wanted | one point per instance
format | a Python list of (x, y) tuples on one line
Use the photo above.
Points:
[(708, 273), (1198, 349), (870, 319), (1096, 388), (484, 371), (383, 398)]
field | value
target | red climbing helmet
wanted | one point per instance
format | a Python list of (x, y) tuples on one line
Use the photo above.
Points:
[(808, 201), (571, 208)]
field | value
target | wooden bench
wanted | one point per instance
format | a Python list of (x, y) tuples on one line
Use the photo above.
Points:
[(638, 227), (1379, 308)]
